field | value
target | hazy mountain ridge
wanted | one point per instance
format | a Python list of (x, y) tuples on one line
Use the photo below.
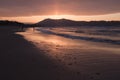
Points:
[(67, 22), (10, 23), (60, 22)]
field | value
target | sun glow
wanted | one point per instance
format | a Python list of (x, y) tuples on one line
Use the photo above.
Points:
[(58, 16), (35, 19)]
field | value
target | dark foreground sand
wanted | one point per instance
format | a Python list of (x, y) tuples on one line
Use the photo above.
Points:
[(38, 56), (21, 60)]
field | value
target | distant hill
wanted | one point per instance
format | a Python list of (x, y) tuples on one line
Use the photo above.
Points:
[(66, 22), (61, 22), (10, 23)]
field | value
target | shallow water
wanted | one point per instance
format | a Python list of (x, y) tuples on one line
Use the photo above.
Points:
[(94, 53)]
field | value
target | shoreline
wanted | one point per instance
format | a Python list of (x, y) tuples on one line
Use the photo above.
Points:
[(21, 60), (86, 58), (32, 56)]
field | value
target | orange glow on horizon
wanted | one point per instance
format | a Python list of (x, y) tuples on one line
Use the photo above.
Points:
[(35, 19)]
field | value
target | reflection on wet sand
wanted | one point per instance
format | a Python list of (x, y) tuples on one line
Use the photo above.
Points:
[(92, 60)]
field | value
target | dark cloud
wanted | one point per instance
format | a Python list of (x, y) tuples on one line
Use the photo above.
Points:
[(12, 8)]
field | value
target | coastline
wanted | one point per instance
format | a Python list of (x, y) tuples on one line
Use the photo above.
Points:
[(32, 55), (21, 60)]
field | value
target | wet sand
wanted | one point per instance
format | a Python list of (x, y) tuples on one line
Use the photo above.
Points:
[(21, 60), (88, 60), (37, 56)]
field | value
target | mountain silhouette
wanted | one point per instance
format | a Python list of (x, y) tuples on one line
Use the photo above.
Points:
[(61, 22), (10, 23), (56, 22), (66, 22)]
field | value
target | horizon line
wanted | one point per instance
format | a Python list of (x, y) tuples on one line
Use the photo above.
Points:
[(56, 19)]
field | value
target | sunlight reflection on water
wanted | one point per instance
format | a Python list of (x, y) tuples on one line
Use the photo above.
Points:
[(78, 55)]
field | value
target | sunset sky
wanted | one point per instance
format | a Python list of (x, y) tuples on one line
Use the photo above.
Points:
[(36, 10)]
